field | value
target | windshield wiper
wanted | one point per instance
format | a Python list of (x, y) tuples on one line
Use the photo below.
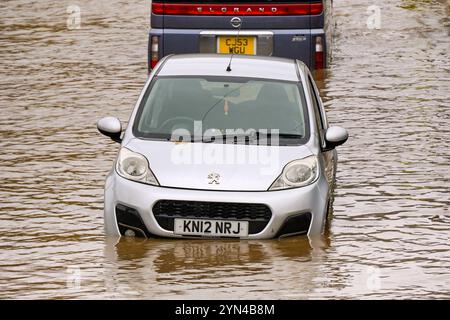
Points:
[(290, 135), (194, 139), (236, 137)]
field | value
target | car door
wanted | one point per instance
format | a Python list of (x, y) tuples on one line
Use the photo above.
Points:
[(329, 157)]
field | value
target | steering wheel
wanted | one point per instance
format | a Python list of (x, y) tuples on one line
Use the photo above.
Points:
[(174, 119)]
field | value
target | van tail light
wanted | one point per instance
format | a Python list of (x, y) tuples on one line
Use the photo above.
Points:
[(226, 9), (319, 54), (154, 58), (316, 8), (157, 8)]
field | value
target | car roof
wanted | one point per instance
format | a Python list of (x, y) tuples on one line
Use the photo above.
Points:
[(242, 66)]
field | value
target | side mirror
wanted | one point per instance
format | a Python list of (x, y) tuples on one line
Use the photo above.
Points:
[(110, 127), (335, 136)]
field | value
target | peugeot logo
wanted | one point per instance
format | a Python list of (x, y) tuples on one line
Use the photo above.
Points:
[(214, 178), (236, 22)]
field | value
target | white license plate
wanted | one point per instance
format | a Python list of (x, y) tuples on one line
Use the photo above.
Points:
[(211, 228)]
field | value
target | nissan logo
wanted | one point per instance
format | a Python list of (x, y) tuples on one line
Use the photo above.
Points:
[(236, 22)]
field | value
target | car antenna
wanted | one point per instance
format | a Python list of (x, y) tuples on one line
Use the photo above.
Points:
[(240, 21)]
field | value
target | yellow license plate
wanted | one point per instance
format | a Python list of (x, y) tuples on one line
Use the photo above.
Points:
[(241, 45)]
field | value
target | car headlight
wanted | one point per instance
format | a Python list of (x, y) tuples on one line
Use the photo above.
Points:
[(298, 173), (134, 166)]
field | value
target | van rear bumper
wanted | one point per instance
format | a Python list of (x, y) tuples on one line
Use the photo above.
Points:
[(288, 43)]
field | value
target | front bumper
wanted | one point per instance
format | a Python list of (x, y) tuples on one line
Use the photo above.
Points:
[(283, 204)]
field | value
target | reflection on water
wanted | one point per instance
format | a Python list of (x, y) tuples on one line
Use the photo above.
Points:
[(388, 237), (214, 268)]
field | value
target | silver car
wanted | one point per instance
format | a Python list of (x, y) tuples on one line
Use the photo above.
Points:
[(226, 147)]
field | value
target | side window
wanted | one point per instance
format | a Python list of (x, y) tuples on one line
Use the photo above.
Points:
[(317, 113)]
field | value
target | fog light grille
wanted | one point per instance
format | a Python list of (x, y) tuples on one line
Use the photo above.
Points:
[(295, 225), (129, 219)]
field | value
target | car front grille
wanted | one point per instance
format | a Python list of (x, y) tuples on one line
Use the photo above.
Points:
[(258, 215)]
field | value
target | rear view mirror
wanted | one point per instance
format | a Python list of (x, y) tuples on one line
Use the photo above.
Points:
[(110, 127), (225, 91), (335, 136)]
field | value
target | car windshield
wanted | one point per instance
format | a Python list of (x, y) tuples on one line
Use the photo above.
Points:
[(222, 107)]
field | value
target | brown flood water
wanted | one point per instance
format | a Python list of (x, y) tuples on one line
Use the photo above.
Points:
[(390, 234)]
